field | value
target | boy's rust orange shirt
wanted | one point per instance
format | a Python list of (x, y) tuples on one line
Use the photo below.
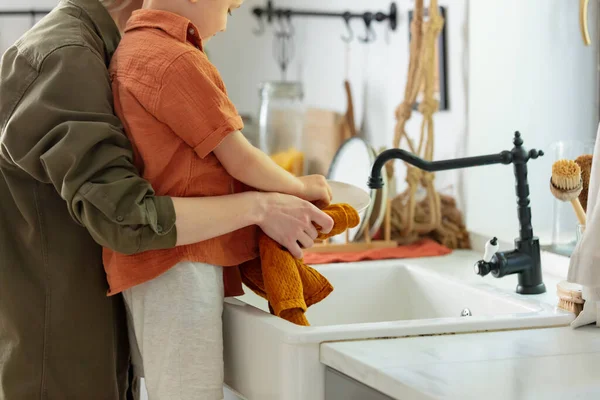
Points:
[(175, 110)]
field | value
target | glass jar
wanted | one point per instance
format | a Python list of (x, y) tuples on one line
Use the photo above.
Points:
[(564, 228), (281, 123), (250, 129), (580, 231)]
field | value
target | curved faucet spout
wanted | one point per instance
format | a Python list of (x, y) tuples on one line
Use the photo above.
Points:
[(376, 182)]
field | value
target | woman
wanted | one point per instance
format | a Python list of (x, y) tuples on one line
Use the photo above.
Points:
[(68, 187)]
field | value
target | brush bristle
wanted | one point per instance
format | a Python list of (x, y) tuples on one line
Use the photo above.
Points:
[(570, 306), (566, 175)]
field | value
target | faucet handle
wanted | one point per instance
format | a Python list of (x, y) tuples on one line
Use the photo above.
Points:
[(484, 266), (491, 247)]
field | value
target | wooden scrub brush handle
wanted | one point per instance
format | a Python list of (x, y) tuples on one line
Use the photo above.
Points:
[(578, 210)]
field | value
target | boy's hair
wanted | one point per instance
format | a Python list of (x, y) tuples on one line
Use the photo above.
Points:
[(115, 5)]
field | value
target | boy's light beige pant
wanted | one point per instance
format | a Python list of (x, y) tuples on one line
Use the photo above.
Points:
[(177, 332)]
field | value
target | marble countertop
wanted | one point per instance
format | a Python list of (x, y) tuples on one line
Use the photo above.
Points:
[(556, 363), (552, 363)]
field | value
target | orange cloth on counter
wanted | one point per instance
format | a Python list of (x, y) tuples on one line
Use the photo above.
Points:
[(422, 248), (289, 285)]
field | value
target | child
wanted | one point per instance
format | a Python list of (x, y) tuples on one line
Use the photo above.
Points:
[(187, 142)]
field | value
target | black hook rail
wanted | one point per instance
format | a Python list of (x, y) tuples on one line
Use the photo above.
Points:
[(269, 13), (21, 13), (32, 13)]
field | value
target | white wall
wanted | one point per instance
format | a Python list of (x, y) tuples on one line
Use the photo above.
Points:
[(377, 70), (11, 28), (529, 71)]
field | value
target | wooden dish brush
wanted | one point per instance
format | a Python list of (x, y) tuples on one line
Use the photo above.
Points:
[(570, 297), (566, 185), (585, 163)]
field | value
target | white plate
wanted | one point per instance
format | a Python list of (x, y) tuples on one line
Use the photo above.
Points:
[(352, 165), (349, 194)]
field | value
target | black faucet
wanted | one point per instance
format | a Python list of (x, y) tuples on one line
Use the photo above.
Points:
[(525, 258)]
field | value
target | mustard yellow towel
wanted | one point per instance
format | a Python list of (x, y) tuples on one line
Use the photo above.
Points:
[(289, 285)]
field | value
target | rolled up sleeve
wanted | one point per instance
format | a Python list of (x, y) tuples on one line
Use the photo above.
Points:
[(193, 102), (63, 132)]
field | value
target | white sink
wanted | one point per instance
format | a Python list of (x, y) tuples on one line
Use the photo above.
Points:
[(400, 293), (370, 300), (381, 299)]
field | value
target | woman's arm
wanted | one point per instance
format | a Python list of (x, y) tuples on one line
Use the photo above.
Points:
[(286, 219), (63, 132)]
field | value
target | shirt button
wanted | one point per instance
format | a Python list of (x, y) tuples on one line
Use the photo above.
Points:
[(192, 31), (159, 228), (120, 218)]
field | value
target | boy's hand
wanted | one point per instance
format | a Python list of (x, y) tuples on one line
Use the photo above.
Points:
[(316, 190)]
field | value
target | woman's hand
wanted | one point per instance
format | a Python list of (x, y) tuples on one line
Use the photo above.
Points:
[(289, 221)]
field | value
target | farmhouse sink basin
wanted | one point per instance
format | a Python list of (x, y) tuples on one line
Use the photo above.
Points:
[(379, 300), (370, 300)]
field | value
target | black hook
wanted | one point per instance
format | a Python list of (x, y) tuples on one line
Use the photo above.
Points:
[(284, 19), (261, 24), (347, 16), (283, 43), (370, 34), (288, 17), (278, 15)]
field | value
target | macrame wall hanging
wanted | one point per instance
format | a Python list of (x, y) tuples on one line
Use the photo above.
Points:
[(436, 216)]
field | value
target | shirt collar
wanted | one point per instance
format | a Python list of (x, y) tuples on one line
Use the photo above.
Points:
[(176, 26), (102, 22)]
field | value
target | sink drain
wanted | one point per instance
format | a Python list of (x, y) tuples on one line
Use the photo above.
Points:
[(466, 313)]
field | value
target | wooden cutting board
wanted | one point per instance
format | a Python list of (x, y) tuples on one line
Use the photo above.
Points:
[(324, 133), (322, 139)]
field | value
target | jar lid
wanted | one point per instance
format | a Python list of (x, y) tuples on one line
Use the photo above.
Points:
[(282, 89)]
